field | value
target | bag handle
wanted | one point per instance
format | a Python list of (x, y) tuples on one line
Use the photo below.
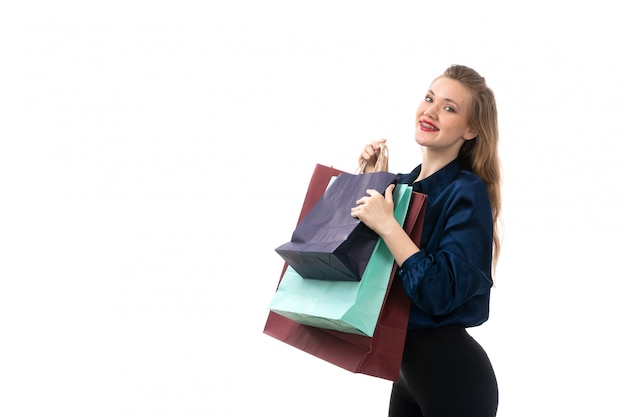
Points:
[(382, 163)]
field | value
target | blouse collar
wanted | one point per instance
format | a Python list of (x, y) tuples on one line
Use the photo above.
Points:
[(433, 184)]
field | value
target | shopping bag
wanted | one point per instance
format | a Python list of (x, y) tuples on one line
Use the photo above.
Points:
[(380, 355), (349, 306), (330, 244)]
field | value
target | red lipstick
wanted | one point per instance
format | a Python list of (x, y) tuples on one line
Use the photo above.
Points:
[(427, 126)]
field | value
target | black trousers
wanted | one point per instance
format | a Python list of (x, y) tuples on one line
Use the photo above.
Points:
[(444, 373)]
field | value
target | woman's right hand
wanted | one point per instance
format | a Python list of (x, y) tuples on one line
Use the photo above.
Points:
[(370, 155)]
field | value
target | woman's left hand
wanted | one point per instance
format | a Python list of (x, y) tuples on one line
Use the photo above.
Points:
[(375, 209)]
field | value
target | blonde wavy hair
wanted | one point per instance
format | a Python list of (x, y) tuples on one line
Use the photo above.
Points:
[(481, 154)]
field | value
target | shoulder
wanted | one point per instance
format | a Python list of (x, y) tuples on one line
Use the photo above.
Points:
[(468, 189), (467, 180)]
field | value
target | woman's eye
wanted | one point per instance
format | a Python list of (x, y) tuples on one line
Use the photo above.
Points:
[(428, 99), (448, 108)]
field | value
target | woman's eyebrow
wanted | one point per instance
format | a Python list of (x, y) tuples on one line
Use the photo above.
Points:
[(445, 99)]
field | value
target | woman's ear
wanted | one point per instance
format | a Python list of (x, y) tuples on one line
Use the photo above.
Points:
[(470, 134)]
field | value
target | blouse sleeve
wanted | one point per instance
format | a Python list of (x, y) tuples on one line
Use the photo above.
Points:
[(455, 265)]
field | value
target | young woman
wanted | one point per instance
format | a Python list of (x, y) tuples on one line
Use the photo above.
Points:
[(448, 275)]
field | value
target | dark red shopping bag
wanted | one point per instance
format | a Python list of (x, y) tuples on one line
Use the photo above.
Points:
[(379, 355)]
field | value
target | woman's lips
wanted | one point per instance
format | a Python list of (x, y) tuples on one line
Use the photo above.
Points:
[(427, 127)]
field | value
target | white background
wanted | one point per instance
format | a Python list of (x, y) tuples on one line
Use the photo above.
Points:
[(153, 155)]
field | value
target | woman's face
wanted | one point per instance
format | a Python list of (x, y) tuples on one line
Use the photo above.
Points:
[(441, 122)]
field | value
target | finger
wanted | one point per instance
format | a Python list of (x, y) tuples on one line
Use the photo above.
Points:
[(368, 153), (389, 191)]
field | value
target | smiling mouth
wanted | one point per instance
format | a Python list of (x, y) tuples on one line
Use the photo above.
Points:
[(427, 127)]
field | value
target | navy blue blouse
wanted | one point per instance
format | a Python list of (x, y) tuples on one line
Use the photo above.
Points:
[(449, 279)]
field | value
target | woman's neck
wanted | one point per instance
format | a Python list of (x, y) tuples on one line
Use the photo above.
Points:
[(433, 162)]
